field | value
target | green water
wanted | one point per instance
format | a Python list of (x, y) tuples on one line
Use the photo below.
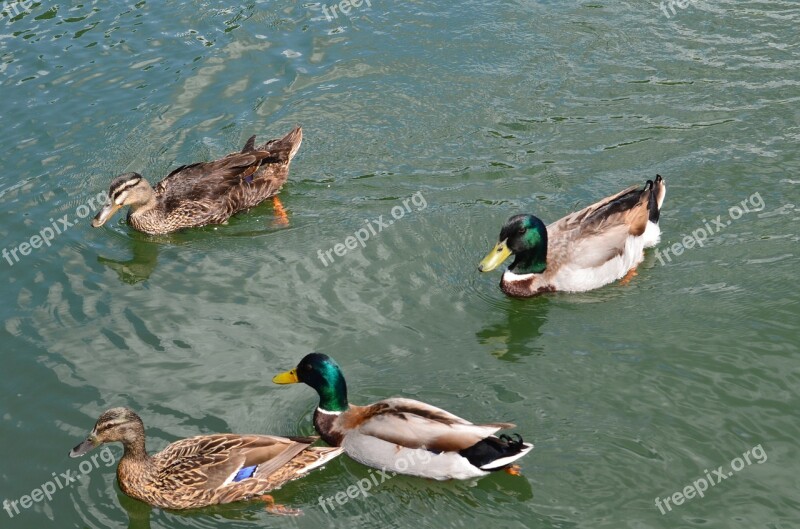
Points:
[(483, 109)]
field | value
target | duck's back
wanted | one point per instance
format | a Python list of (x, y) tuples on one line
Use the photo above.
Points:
[(211, 192)]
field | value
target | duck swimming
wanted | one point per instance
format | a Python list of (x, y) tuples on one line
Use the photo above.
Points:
[(403, 435), (204, 470), (205, 192), (582, 251)]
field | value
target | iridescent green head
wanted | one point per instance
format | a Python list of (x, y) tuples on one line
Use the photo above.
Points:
[(525, 237), (323, 374)]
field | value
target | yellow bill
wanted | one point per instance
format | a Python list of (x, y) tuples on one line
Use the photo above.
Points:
[(495, 258), (289, 377)]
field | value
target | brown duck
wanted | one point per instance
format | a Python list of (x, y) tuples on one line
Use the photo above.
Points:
[(205, 192), (204, 470)]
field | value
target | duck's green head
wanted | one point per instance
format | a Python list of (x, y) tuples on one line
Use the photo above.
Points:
[(524, 236), (323, 374)]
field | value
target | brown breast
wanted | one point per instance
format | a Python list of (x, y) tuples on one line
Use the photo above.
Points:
[(326, 426)]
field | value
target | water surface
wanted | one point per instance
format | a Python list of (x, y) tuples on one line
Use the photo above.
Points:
[(630, 392)]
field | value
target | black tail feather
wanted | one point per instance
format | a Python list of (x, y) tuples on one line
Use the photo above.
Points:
[(493, 448), (652, 205)]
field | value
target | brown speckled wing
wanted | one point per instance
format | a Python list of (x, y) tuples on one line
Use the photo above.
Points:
[(597, 233)]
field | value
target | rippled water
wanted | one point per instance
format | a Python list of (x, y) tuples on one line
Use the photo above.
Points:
[(629, 392)]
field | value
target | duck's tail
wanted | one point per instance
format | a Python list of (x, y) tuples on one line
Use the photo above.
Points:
[(495, 453), (317, 456), (282, 150), (286, 147), (658, 191)]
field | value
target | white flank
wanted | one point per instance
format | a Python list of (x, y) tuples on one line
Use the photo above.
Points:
[(396, 459), (573, 279)]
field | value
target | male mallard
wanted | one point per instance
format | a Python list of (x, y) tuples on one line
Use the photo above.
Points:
[(203, 470), (584, 250), (206, 192), (402, 435)]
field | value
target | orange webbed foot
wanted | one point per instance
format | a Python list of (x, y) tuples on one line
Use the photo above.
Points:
[(275, 508), (281, 218), (630, 275), (514, 470)]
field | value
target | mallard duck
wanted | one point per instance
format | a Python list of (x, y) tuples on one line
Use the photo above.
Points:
[(403, 435), (203, 470), (582, 251), (206, 192)]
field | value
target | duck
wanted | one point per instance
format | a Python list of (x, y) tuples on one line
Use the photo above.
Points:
[(403, 436), (205, 192), (207, 469), (582, 251)]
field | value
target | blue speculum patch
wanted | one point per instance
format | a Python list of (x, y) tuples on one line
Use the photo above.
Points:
[(246, 472)]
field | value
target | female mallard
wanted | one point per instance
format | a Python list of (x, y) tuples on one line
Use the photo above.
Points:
[(402, 435), (584, 250), (203, 470), (206, 192)]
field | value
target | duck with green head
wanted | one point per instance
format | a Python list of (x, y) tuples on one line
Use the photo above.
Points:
[(582, 251), (204, 470), (403, 435)]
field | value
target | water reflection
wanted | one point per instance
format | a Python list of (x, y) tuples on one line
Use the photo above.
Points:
[(140, 266), (518, 334), (140, 514)]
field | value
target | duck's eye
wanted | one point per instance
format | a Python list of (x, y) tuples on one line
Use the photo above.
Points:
[(522, 230)]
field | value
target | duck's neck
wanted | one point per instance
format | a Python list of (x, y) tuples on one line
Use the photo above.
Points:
[(149, 217), (533, 261), (332, 403), (333, 394), (135, 450), (135, 469), (143, 208)]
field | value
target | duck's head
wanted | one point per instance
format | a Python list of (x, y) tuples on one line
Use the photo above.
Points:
[(524, 236), (323, 374), (115, 425), (129, 189)]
